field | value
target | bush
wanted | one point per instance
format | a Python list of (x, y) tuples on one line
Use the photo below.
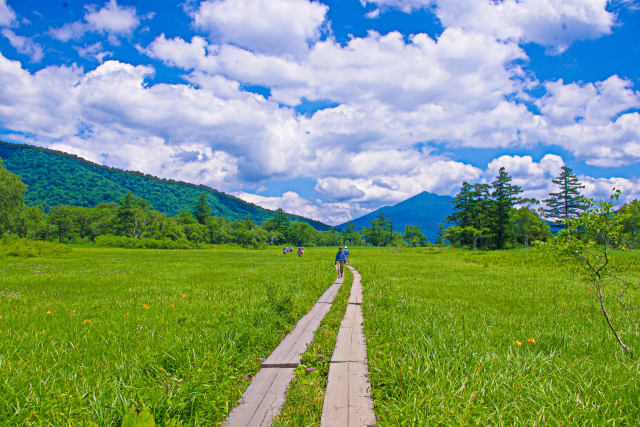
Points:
[(112, 241), (30, 248)]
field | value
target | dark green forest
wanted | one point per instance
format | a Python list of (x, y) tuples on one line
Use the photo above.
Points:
[(54, 178)]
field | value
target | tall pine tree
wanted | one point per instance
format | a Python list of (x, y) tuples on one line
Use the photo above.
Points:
[(201, 209), (504, 196), (568, 202)]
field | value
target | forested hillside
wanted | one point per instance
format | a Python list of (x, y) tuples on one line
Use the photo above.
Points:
[(55, 178)]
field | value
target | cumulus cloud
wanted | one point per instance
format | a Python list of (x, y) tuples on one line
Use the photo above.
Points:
[(112, 20), (269, 26), (389, 89), (42, 103), (7, 15), (552, 23), (330, 213), (602, 188), (595, 121), (24, 45), (533, 177)]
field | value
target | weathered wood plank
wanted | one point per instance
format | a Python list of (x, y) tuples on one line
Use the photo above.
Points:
[(265, 396), (356, 288), (347, 401), (350, 344), (288, 353), (263, 399)]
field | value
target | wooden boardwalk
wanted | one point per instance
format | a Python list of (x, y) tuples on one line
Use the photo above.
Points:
[(347, 401), (265, 396)]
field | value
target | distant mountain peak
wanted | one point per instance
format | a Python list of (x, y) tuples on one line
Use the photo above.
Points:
[(426, 210)]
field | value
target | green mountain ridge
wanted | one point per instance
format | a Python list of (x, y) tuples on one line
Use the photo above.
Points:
[(57, 178)]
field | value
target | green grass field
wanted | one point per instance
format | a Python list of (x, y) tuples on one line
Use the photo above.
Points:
[(87, 335), (447, 335)]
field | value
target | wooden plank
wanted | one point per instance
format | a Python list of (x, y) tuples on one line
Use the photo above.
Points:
[(328, 295), (348, 400), (265, 396), (290, 350), (263, 399), (356, 287), (350, 344)]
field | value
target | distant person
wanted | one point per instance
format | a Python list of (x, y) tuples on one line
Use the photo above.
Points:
[(341, 258), (300, 251), (285, 250), (346, 254)]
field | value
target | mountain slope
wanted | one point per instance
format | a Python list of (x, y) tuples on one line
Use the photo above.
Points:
[(55, 178), (426, 210)]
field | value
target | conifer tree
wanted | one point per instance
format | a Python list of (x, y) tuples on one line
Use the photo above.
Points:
[(568, 202), (201, 210), (504, 196)]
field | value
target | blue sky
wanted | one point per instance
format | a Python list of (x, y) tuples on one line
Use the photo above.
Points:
[(330, 109)]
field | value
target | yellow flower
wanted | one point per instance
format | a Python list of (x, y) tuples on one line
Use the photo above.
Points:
[(184, 296), (145, 306), (88, 322), (531, 340), (49, 313), (518, 343)]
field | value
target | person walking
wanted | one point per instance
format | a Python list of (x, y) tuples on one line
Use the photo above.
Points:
[(346, 254), (341, 258)]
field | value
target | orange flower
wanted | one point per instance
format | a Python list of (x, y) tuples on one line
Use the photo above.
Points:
[(88, 322), (145, 306), (172, 306), (184, 296), (518, 343), (531, 340)]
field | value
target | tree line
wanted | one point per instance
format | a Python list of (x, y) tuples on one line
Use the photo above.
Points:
[(496, 216), (132, 222)]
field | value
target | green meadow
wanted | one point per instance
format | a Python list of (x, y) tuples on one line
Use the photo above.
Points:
[(504, 337), (86, 336), (454, 337)]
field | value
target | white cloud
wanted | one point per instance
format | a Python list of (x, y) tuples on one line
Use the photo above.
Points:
[(270, 26), (7, 15), (24, 45), (112, 20), (427, 174), (533, 177), (602, 188), (42, 103), (594, 121), (93, 51), (72, 30), (552, 23), (292, 202)]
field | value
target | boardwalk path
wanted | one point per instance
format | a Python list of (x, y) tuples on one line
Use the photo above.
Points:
[(264, 397), (347, 401)]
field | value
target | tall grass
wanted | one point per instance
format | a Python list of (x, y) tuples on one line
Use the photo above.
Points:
[(87, 336), (507, 337)]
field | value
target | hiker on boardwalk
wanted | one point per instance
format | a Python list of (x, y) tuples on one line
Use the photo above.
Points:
[(346, 254), (341, 258)]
